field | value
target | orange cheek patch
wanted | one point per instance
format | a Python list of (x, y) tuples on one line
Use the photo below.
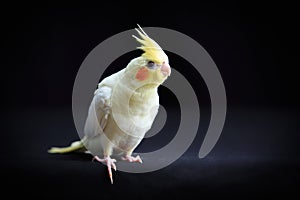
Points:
[(142, 74)]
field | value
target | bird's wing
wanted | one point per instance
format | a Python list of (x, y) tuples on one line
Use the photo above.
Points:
[(100, 107), (98, 112)]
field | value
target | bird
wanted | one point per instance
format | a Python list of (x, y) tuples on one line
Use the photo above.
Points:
[(124, 107)]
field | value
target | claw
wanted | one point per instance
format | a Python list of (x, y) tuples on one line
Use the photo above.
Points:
[(110, 163), (114, 166), (110, 175), (132, 159)]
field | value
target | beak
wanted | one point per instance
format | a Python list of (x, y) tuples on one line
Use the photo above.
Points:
[(166, 69)]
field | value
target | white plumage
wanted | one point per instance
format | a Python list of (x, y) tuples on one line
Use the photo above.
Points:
[(124, 107)]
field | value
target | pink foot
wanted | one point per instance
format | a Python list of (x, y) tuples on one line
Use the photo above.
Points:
[(110, 163), (132, 159)]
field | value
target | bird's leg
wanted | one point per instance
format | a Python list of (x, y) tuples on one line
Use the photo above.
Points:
[(130, 158), (109, 162)]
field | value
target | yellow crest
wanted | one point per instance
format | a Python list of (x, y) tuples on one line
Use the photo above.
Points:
[(152, 51)]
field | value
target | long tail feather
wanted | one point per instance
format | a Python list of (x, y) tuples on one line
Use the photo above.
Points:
[(75, 146)]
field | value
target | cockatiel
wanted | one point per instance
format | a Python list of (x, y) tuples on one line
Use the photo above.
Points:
[(124, 107)]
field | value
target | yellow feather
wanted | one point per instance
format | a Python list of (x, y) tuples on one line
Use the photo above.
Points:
[(152, 51)]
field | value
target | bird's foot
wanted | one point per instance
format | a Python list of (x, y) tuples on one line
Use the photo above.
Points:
[(132, 159), (109, 162)]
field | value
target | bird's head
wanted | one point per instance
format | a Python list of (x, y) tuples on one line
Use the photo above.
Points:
[(152, 66)]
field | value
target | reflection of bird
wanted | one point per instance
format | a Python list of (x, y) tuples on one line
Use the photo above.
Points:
[(124, 107)]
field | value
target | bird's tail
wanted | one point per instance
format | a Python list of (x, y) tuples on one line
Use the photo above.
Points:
[(74, 147)]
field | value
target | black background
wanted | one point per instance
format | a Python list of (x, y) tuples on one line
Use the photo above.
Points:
[(254, 46)]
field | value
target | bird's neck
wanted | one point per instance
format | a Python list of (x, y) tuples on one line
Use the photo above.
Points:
[(148, 88), (143, 97)]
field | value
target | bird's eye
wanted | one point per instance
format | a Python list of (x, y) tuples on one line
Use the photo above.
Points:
[(151, 65)]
